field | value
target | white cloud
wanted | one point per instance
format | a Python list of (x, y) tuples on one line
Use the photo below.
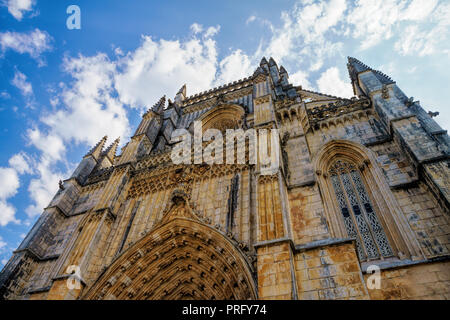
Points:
[(43, 188), (90, 108), (162, 67), (10, 182), (422, 40), (419, 10), (8, 188), (212, 31), (20, 163), (17, 8), (235, 66), (250, 19), (51, 145), (33, 43), (331, 83), (2, 243), (196, 28), (300, 78), (374, 21), (7, 213), (5, 95), (414, 42), (304, 34), (20, 81)]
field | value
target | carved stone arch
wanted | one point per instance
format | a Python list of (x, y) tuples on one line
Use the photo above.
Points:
[(293, 112), (222, 117), (181, 258), (401, 237), (279, 117)]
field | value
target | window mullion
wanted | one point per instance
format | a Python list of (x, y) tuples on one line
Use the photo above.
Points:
[(373, 223), (363, 228), (359, 239)]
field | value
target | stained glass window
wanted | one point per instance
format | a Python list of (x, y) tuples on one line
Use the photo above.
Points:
[(358, 213)]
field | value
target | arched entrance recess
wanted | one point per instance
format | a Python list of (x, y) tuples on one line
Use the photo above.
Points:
[(181, 258)]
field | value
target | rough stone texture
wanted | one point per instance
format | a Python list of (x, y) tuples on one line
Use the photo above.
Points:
[(425, 281), (139, 226), (308, 220), (274, 272), (429, 222), (329, 273)]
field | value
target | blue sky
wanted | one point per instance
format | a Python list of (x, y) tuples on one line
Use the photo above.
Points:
[(61, 90)]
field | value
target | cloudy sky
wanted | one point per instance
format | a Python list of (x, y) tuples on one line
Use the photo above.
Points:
[(62, 90)]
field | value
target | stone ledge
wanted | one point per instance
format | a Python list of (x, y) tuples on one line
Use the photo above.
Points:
[(386, 265), (405, 185), (60, 210), (322, 243), (302, 184), (36, 256), (67, 276), (435, 159), (304, 247), (39, 290), (274, 241), (379, 140)]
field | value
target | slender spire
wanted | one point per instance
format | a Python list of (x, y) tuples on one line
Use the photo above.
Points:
[(181, 95), (97, 149), (259, 71), (355, 66), (110, 152), (272, 62), (282, 69), (263, 61), (159, 106), (182, 90)]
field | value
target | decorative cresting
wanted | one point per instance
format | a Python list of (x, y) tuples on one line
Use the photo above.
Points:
[(359, 203), (223, 116), (182, 258)]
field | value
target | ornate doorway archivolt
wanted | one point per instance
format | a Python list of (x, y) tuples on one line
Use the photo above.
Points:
[(182, 258)]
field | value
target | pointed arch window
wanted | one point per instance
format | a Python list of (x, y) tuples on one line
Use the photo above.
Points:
[(358, 213)]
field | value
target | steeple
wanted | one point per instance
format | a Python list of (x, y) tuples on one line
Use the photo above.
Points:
[(263, 61), (259, 71), (355, 67), (97, 149), (110, 152), (284, 76), (159, 106), (89, 162), (181, 95), (182, 90), (272, 62)]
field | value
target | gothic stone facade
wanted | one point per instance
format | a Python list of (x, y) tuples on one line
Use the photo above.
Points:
[(362, 181)]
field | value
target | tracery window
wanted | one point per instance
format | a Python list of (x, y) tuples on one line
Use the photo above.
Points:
[(358, 212)]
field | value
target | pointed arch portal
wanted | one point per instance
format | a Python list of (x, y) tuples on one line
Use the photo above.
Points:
[(182, 258)]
